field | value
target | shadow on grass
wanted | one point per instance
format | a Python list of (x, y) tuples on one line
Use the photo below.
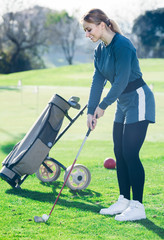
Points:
[(69, 201), (80, 193), (153, 227), (87, 196), (9, 88), (8, 147)]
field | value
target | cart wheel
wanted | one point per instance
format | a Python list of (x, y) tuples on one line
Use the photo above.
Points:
[(48, 175), (79, 178)]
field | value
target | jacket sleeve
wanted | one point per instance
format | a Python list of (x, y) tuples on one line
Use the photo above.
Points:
[(123, 58), (96, 89)]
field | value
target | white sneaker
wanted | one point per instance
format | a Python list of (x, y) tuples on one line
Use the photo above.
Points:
[(117, 207), (135, 211)]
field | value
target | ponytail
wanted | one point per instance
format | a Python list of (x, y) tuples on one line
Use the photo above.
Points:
[(97, 16), (114, 27)]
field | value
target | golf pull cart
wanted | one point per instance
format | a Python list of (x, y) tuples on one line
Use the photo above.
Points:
[(31, 154)]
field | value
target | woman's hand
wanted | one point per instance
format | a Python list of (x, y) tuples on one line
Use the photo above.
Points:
[(98, 113), (92, 119), (91, 122)]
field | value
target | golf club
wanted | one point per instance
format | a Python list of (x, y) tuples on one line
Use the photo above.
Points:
[(45, 217), (73, 101)]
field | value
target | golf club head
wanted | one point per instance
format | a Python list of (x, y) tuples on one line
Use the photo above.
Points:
[(44, 218), (74, 104), (75, 99), (38, 219)]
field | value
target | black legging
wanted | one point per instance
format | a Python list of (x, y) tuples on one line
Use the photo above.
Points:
[(128, 139)]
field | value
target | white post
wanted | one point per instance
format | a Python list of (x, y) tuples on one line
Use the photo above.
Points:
[(19, 86)]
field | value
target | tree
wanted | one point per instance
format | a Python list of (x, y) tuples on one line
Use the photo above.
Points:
[(22, 35), (65, 31), (149, 29)]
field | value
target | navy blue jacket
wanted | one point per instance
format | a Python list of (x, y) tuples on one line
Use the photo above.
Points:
[(117, 63)]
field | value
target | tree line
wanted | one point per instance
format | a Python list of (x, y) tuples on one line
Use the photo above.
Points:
[(25, 35)]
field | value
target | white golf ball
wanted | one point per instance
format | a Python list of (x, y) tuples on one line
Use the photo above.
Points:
[(45, 217)]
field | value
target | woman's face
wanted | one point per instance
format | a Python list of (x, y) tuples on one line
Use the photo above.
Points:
[(93, 31)]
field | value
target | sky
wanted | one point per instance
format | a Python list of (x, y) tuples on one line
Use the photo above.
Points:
[(113, 8), (121, 10), (85, 5)]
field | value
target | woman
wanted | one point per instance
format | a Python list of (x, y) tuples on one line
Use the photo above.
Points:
[(116, 61)]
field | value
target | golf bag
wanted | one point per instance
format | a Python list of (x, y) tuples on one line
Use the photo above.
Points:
[(27, 155)]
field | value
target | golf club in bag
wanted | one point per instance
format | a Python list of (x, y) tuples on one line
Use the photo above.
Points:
[(45, 217), (28, 155)]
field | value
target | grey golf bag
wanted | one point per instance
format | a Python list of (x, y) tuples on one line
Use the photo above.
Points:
[(30, 152)]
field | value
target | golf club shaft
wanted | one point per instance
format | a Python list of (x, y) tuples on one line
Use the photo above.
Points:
[(87, 134)]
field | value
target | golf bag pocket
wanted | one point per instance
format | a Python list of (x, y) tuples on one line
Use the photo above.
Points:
[(32, 159), (48, 136)]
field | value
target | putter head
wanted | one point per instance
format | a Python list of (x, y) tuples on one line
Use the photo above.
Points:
[(44, 218)]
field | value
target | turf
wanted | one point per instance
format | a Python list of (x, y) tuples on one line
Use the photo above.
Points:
[(81, 75), (76, 215)]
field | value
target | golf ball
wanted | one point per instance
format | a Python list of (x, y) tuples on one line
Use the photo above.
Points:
[(109, 163), (45, 217)]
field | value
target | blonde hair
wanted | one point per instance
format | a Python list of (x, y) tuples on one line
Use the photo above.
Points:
[(97, 16)]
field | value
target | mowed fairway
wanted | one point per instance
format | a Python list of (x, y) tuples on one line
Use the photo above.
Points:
[(76, 215)]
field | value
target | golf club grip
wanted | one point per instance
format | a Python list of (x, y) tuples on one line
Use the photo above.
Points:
[(88, 132)]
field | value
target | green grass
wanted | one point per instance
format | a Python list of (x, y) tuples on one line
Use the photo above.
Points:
[(75, 75), (76, 215), (81, 75)]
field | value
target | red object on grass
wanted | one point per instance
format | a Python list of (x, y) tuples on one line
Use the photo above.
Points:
[(109, 163)]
